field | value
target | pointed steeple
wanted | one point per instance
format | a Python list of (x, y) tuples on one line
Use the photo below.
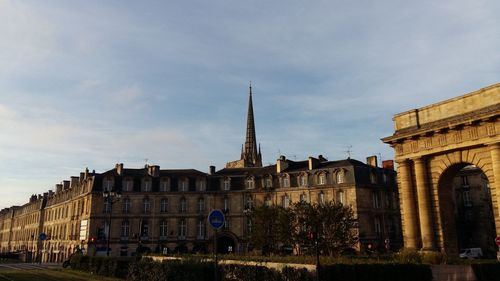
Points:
[(251, 155)]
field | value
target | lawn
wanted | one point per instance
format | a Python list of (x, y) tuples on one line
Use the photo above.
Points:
[(50, 275)]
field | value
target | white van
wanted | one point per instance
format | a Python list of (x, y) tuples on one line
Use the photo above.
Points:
[(471, 253)]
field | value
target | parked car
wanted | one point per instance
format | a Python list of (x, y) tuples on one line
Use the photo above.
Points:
[(471, 253)]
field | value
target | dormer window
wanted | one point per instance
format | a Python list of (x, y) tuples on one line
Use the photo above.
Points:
[(107, 184), (322, 179), (146, 185), (164, 184), (183, 184), (268, 182), (250, 183), (303, 180), (285, 181), (201, 184), (340, 176), (128, 184), (226, 184), (373, 177)]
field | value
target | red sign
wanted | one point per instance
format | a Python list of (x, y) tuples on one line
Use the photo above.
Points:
[(497, 240)]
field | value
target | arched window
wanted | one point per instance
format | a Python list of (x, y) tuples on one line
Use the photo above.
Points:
[(146, 184), (341, 197), (182, 229), (128, 184), (285, 201), (285, 181), (226, 184), (250, 183), (268, 182), (183, 184), (341, 176), (322, 179), (164, 184), (321, 198), (303, 180), (201, 184)]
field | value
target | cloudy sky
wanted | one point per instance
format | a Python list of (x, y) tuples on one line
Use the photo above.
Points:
[(93, 83)]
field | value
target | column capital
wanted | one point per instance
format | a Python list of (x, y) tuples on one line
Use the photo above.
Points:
[(419, 160)]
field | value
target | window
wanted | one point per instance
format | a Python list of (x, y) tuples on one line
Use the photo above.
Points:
[(341, 176), (107, 207), (127, 185), (201, 205), (285, 181), (202, 185), (248, 202), (322, 179), (182, 229), (377, 226), (144, 229), (163, 205), (108, 184), (303, 180), (163, 230), (201, 229), (321, 198), (268, 182), (285, 201), (373, 177), (183, 205), (341, 197), (183, 184), (249, 225), (465, 181), (125, 233), (376, 199), (385, 178), (267, 201), (226, 204), (226, 224), (226, 184), (146, 185), (303, 198), (250, 183), (146, 205), (126, 206), (164, 185)]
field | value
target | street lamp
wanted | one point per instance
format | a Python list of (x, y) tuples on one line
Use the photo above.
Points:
[(110, 197)]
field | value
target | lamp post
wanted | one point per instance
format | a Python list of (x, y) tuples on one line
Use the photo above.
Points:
[(110, 197)]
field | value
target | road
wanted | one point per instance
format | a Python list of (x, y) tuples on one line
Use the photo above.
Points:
[(28, 266)]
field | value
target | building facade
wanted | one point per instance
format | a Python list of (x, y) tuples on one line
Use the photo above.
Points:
[(165, 210)]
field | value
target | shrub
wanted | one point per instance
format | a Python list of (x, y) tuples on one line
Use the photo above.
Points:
[(408, 255), (434, 258)]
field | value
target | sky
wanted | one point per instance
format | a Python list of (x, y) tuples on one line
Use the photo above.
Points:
[(95, 83)]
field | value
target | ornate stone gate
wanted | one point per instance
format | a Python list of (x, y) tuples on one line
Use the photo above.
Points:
[(433, 140)]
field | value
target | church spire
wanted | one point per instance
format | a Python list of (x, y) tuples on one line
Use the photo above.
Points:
[(251, 155)]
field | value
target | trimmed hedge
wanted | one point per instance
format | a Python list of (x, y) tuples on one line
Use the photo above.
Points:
[(486, 271), (186, 270)]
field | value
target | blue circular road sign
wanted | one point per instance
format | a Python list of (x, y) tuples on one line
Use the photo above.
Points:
[(42, 236), (216, 219)]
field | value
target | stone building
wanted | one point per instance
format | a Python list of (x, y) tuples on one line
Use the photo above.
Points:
[(158, 210)]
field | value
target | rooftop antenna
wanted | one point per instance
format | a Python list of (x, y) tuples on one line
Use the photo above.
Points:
[(146, 160), (348, 151)]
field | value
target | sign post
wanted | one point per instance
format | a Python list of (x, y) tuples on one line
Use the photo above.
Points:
[(216, 220), (41, 237)]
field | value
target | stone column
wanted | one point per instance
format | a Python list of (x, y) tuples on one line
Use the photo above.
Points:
[(408, 206), (424, 205)]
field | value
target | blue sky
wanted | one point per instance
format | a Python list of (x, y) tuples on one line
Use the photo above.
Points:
[(93, 83)]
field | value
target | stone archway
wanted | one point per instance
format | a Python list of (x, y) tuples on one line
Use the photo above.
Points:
[(430, 144)]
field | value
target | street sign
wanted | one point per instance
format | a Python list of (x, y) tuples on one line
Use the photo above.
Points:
[(497, 241), (42, 236), (216, 219)]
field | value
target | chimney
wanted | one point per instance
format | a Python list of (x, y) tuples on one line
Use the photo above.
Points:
[(74, 182), (154, 170), (372, 161), (86, 173), (39, 196), (281, 164), (58, 188), (119, 168), (82, 177), (388, 164), (50, 193), (211, 170), (65, 185), (321, 158), (313, 163)]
